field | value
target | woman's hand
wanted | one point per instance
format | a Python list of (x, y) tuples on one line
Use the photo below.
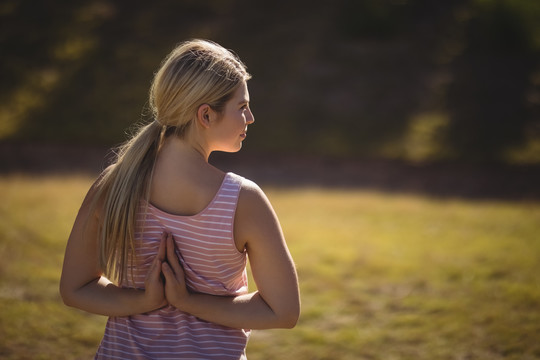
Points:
[(154, 292), (83, 284), (176, 291)]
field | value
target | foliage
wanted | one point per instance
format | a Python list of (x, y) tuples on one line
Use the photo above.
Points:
[(382, 276), (347, 77)]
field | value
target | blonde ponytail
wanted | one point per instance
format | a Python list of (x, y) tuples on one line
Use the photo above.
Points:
[(196, 72), (123, 185)]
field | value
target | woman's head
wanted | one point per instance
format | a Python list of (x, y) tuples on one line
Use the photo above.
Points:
[(196, 72)]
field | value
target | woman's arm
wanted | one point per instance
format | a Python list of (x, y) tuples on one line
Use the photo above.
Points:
[(82, 284), (276, 303)]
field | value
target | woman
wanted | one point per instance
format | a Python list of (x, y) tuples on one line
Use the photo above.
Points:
[(161, 240)]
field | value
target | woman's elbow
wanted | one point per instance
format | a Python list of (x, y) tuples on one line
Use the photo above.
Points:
[(289, 318), (65, 295), (290, 322)]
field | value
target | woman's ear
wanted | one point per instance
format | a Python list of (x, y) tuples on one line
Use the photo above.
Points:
[(204, 114)]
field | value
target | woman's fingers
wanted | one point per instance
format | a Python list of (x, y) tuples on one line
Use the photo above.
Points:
[(168, 273), (172, 258), (155, 269), (162, 251), (154, 290), (176, 292), (153, 277)]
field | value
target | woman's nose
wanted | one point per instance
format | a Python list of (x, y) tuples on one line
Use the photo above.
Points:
[(250, 119)]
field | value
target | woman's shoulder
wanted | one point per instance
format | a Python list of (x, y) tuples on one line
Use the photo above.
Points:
[(251, 196), (255, 219), (247, 185)]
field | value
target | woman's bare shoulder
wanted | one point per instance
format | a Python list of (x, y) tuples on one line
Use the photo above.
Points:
[(251, 194), (254, 209)]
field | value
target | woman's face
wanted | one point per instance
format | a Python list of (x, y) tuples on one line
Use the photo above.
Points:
[(228, 131)]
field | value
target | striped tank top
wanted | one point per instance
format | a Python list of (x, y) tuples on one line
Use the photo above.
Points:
[(212, 265)]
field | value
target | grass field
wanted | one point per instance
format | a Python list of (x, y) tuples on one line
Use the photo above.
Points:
[(383, 276)]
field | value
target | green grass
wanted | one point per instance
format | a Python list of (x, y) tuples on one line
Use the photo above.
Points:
[(382, 276)]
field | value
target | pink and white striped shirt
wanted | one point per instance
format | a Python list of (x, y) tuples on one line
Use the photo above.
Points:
[(212, 265)]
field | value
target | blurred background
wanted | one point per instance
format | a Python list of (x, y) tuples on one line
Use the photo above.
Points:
[(406, 132), (413, 80)]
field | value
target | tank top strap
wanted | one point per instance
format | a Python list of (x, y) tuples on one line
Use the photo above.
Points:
[(228, 194), (234, 180)]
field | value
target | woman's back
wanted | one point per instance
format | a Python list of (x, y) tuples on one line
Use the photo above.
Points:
[(181, 183), (212, 265)]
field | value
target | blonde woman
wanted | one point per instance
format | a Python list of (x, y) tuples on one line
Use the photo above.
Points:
[(162, 238)]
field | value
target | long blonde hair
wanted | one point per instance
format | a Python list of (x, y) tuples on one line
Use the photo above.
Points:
[(196, 72)]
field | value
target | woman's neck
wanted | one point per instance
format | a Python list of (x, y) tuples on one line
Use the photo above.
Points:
[(185, 150)]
